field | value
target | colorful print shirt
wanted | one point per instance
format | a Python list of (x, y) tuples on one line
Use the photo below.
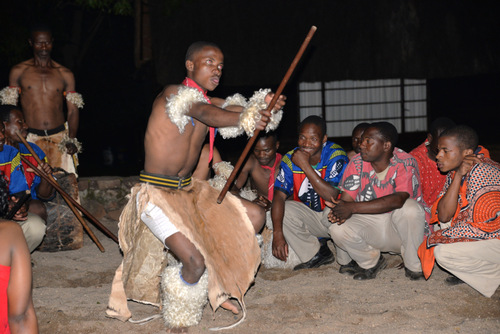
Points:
[(11, 169), (32, 179), (478, 210), (291, 180), (361, 182), (432, 180)]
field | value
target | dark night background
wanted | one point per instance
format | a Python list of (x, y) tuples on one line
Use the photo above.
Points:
[(453, 44)]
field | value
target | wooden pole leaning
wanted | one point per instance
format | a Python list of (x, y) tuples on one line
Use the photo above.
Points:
[(270, 107), (65, 197), (72, 203)]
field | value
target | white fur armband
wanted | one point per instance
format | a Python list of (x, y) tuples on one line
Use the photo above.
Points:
[(179, 104), (275, 120), (235, 100), (75, 98), (250, 115), (9, 95), (67, 140), (233, 131)]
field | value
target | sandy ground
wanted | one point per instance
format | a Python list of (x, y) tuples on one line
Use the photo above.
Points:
[(71, 290)]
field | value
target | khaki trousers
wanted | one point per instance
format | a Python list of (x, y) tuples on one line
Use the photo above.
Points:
[(363, 236), (477, 263), (302, 227), (33, 230)]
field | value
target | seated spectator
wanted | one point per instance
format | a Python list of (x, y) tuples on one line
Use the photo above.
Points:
[(17, 314), (357, 132), (10, 166), (261, 169), (380, 209), (41, 189), (468, 209), (309, 175), (432, 180)]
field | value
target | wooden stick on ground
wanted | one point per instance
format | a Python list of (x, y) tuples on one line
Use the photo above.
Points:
[(72, 203), (270, 107)]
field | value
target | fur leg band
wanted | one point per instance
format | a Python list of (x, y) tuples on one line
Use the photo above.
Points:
[(178, 105), (67, 140), (182, 303), (222, 170), (75, 98), (9, 95)]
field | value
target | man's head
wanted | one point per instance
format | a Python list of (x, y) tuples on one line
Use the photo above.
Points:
[(357, 132), (13, 120), (312, 136), (436, 128), (266, 147), (454, 145), (378, 142), (41, 40), (204, 64)]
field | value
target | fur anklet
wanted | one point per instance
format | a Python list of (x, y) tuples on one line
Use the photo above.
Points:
[(182, 303)]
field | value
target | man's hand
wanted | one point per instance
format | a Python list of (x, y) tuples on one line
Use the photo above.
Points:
[(280, 103), (341, 211), (264, 119), (45, 167), (301, 159), (71, 148), (263, 202), (280, 247), (22, 213), (468, 162)]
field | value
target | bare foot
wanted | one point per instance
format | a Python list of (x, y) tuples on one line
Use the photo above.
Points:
[(177, 330), (228, 305)]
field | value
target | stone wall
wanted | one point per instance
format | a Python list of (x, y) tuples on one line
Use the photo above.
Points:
[(105, 196)]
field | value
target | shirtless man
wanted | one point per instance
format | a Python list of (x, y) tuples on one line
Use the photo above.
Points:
[(43, 85), (262, 167), (178, 124)]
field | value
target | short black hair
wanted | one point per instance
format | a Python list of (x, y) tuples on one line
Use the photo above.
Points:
[(361, 126), (5, 110), (465, 136), (316, 120), (39, 26), (197, 46), (439, 125), (387, 130), (265, 135)]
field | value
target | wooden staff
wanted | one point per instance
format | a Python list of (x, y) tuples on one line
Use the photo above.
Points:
[(69, 200), (65, 196), (270, 107)]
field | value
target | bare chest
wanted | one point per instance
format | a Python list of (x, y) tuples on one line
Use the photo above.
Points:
[(260, 179), (42, 80)]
